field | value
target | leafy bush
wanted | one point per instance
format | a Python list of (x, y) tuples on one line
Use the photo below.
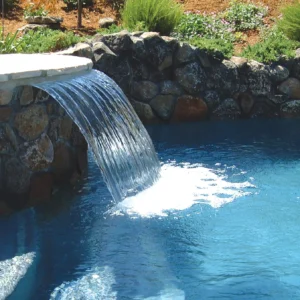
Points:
[(213, 46), (204, 26), (290, 22), (274, 44), (156, 15), (8, 44), (46, 40), (244, 16), (33, 11), (115, 4)]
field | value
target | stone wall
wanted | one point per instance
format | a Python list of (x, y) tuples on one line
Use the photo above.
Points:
[(168, 81), (40, 148)]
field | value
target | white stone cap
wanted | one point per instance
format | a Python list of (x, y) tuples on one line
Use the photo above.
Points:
[(14, 67)]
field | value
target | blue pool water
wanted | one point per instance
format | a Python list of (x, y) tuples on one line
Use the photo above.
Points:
[(221, 223)]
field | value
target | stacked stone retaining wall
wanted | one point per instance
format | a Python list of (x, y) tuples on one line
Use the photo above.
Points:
[(169, 81), (40, 148)]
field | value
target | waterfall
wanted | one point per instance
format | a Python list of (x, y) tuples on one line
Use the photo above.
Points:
[(121, 145)]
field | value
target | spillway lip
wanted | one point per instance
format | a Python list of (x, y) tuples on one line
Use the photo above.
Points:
[(26, 66)]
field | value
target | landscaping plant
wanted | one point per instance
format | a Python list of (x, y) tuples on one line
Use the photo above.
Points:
[(274, 44), (9, 43), (46, 40), (244, 16), (290, 22), (156, 15)]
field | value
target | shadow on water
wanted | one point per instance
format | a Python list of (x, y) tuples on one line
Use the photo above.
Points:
[(192, 254)]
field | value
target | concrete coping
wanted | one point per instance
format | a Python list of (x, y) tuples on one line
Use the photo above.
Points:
[(18, 69)]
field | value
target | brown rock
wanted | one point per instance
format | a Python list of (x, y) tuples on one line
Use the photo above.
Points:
[(5, 113), (11, 136), (31, 122), (189, 108), (240, 62), (40, 188), (5, 96), (290, 87), (27, 95), (42, 96), (39, 154)]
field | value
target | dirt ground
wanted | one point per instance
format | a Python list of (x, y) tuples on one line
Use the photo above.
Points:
[(14, 19)]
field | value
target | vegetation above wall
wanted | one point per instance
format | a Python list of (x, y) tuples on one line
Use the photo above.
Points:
[(224, 32)]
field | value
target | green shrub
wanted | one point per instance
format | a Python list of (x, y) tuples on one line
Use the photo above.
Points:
[(46, 40), (213, 46), (274, 44), (156, 15), (33, 11), (290, 22), (8, 44), (244, 16), (204, 26)]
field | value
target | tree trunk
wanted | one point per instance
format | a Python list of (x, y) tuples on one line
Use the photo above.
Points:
[(79, 15)]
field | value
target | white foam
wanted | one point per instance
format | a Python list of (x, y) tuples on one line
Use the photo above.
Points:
[(179, 188), (93, 286), (12, 271)]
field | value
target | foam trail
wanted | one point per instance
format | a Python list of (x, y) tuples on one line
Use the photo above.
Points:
[(179, 188)]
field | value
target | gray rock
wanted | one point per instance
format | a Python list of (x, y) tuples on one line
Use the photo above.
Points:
[(80, 49), (5, 96), (258, 78), (191, 77), (211, 99), (33, 27), (163, 105), (138, 48), (246, 102), (279, 73), (184, 54), (17, 176), (144, 111), (31, 122), (118, 42), (106, 22), (228, 109), (43, 20), (291, 88), (65, 129), (159, 52), (42, 96), (240, 62), (169, 87), (39, 154), (144, 91), (27, 95), (99, 49), (290, 109), (225, 77)]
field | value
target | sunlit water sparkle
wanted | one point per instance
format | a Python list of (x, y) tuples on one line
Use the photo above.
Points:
[(221, 223)]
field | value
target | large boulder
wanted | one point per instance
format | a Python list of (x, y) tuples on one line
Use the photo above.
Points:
[(291, 88), (144, 91), (191, 77), (189, 109), (228, 109), (163, 105), (144, 111), (31, 122)]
